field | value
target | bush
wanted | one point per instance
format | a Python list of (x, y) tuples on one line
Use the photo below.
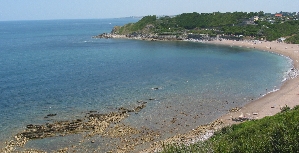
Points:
[(278, 133), (285, 108)]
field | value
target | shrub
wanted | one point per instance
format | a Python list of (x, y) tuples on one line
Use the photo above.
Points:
[(278, 133)]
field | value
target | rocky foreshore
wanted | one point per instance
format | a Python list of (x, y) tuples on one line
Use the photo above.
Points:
[(201, 133), (109, 35), (165, 36), (96, 126), (143, 36), (92, 124)]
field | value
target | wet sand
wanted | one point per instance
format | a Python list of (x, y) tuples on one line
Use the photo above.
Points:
[(270, 104)]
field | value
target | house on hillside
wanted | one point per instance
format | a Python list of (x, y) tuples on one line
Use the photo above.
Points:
[(271, 21), (249, 21), (278, 15), (255, 18)]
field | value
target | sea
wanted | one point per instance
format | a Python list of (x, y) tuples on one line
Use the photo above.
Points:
[(56, 67)]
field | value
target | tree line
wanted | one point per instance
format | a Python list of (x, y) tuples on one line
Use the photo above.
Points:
[(235, 23)]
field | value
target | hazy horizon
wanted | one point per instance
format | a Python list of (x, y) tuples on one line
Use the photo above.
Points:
[(94, 9)]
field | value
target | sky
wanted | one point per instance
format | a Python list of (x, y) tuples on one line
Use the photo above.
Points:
[(98, 9)]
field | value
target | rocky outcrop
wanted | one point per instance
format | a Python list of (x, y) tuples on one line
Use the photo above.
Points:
[(143, 36), (109, 35), (93, 123), (200, 133)]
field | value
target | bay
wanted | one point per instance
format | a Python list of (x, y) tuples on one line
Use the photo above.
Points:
[(56, 67)]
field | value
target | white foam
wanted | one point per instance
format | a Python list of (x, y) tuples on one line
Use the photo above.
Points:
[(291, 74), (274, 90)]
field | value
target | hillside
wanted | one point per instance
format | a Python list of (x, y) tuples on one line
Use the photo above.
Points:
[(236, 25)]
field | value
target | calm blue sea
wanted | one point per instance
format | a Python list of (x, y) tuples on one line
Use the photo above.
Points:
[(56, 67)]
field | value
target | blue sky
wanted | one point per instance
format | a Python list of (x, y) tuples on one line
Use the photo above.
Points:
[(93, 9)]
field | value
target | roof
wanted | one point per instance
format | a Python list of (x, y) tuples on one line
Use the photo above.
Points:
[(278, 15)]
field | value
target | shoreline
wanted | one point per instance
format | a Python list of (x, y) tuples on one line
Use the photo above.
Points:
[(271, 103), (267, 105)]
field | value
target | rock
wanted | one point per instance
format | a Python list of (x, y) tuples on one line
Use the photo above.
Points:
[(236, 109), (240, 119), (173, 120), (93, 124), (139, 108), (141, 101), (51, 115), (29, 126)]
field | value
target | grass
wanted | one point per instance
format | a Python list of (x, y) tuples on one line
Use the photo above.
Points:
[(278, 133)]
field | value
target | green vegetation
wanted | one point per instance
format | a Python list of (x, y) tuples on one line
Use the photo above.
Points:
[(274, 31), (138, 26), (211, 20), (278, 133), (255, 25), (294, 39)]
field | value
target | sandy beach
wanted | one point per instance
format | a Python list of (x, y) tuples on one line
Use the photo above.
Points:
[(267, 105), (270, 104)]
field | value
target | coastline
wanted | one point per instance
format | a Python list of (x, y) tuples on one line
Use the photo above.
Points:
[(267, 105), (270, 104)]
